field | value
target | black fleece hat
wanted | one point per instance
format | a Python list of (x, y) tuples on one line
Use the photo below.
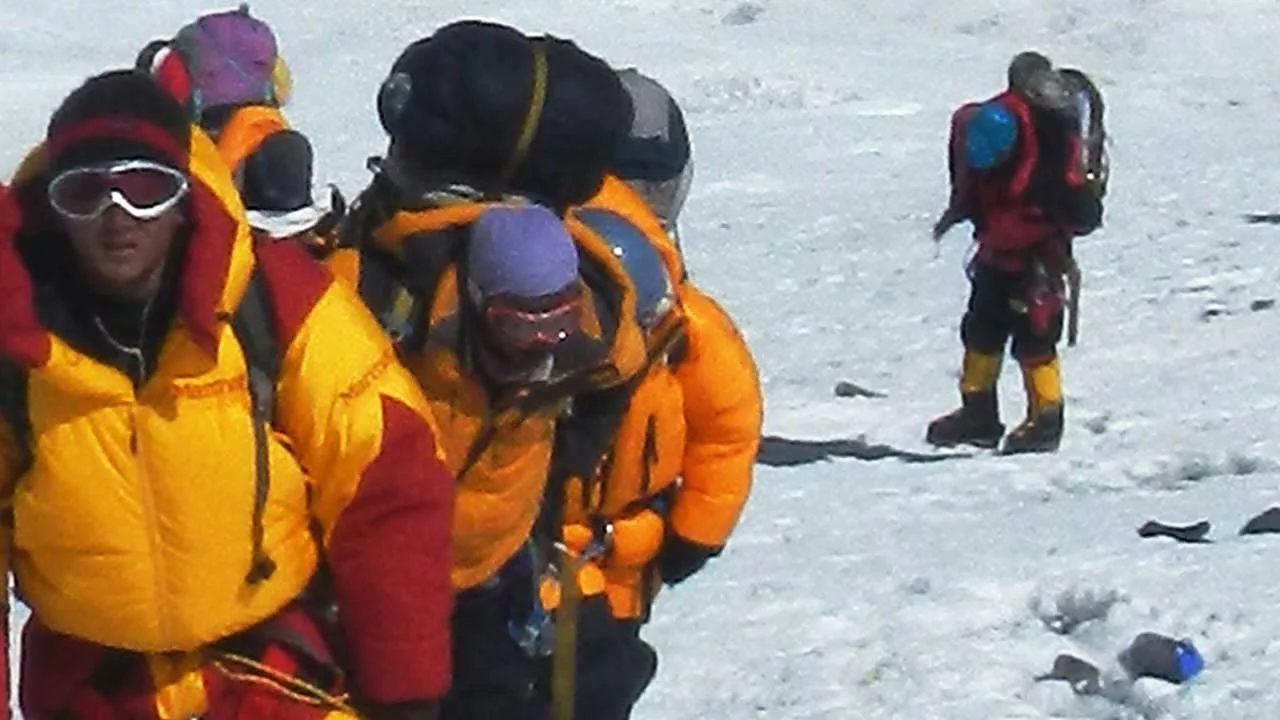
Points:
[(118, 115), (1026, 65)]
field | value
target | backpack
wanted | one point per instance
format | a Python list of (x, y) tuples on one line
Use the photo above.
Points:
[(254, 330), (1090, 112)]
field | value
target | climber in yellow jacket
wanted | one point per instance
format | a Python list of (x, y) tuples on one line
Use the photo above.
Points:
[(173, 487), (227, 69)]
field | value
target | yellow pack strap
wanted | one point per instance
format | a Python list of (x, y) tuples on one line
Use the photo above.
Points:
[(532, 116), (248, 670), (564, 656)]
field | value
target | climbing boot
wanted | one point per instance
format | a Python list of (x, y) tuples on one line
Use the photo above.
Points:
[(1041, 431), (977, 420)]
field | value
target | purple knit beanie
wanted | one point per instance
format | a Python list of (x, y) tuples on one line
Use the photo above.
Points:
[(524, 252), (230, 57)]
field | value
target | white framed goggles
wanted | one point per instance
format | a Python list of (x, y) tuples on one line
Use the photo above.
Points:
[(144, 189)]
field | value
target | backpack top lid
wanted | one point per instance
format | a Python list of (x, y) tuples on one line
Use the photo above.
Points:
[(485, 105), (231, 58), (657, 147), (989, 134)]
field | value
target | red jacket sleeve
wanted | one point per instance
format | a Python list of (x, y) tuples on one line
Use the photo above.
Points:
[(381, 493)]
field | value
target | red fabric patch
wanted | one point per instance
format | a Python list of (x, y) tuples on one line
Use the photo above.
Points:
[(22, 338), (57, 671), (1010, 226), (295, 281), (1028, 147), (171, 74), (390, 557), (206, 266), (245, 700), (114, 128), (293, 639)]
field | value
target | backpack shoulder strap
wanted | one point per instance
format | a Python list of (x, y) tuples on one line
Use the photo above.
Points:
[(255, 332), (399, 294), (14, 410)]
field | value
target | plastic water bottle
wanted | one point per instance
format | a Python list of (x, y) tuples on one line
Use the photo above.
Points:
[(1157, 656)]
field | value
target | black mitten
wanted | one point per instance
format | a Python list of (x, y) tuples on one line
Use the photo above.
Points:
[(680, 558)]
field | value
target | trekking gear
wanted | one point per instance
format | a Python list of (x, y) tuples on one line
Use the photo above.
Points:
[(655, 293), (482, 104), (255, 332), (1090, 109), (1073, 301), (144, 189), (988, 136), (977, 421), (231, 58), (1042, 429), (509, 323)]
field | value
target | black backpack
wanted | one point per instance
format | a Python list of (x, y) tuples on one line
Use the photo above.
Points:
[(256, 333), (1093, 129)]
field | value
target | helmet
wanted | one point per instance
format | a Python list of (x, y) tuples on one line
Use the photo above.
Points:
[(988, 135), (645, 268)]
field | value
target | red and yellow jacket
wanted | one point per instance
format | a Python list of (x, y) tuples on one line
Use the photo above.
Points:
[(690, 432), (500, 448), (132, 525)]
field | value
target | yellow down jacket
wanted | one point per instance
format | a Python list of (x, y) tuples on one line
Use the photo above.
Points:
[(132, 527)]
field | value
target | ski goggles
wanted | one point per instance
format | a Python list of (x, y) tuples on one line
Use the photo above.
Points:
[(144, 189), (525, 329)]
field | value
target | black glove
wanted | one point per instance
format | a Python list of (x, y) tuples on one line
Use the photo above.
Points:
[(407, 710), (679, 558)]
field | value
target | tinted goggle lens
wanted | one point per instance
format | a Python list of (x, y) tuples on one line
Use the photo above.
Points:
[(526, 329), (145, 190)]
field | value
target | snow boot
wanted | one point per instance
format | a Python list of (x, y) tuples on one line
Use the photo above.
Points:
[(977, 420), (1041, 431)]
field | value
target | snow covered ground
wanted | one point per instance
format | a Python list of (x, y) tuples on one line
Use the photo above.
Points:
[(888, 589)]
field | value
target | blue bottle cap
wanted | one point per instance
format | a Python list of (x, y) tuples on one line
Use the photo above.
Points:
[(1190, 662)]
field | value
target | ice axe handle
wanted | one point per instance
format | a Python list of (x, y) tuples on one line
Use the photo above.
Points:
[(1073, 303)]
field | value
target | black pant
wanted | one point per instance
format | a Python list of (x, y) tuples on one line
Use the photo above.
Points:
[(494, 679), (997, 310), (614, 664)]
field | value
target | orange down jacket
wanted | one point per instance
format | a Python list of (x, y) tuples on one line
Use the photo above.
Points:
[(499, 448), (682, 454)]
